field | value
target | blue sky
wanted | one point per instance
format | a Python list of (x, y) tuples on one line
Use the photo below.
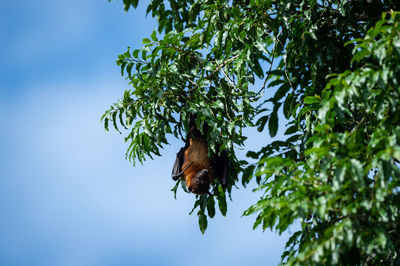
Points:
[(67, 194)]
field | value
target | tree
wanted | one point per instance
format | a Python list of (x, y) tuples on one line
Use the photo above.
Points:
[(334, 67)]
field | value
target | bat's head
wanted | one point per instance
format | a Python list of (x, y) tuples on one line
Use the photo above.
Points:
[(200, 182)]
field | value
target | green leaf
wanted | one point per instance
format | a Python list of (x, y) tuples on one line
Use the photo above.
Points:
[(154, 36), (291, 130), (175, 188), (252, 154), (211, 206), (121, 120), (311, 100), (288, 105), (273, 124), (247, 175), (114, 120), (135, 53), (202, 221), (146, 41), (261, 123), (281, 92), (221, 200), (106, 124)]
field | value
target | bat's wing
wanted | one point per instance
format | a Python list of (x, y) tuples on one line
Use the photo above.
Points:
[(176, 170), (220, 166)]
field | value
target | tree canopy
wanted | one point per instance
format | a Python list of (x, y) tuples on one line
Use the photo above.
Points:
[(333, 68)]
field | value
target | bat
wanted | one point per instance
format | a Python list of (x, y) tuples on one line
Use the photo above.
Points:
[(194, 166)]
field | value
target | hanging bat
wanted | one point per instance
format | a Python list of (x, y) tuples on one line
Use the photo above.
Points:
[(194, 166)]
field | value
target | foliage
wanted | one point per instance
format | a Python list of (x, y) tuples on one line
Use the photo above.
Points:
[(334, 69)]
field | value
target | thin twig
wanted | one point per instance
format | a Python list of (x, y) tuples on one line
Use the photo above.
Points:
[(193, 83), (272, 62), (222, 65), (285, 60), (134, 60), (229, 80), (269, 71)]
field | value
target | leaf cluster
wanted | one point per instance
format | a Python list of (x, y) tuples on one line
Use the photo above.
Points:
[(345, 188), (333, 68)]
